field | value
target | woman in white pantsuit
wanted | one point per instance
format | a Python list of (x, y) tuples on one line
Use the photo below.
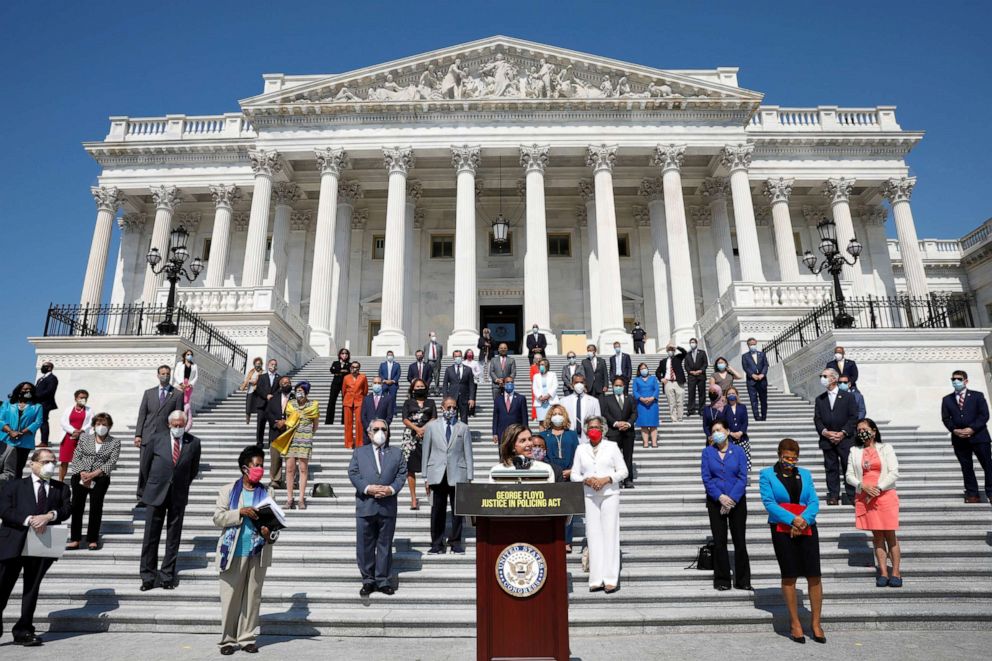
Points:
[(599, 465), (544, 387)]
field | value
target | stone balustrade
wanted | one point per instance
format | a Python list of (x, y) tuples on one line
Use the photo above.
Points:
[(236, 299), (824, 118), (765, 295), (932, 250), (977, 237), (179, 127)]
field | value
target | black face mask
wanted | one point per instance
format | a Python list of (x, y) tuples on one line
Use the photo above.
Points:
[(420, 393), (714, 396), (287, 389)]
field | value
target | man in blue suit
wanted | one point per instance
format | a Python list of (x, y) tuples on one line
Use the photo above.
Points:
[(377, 405), (390, 372), (378, 473), (508, 408), (966, 415), (844, 366), (755, 365)]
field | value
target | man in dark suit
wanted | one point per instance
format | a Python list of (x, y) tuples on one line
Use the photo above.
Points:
[(620, 365), (671, 376), (836, 418), (171, 464), (420, 369), (274, 414), (433, 351), (695, 376), (153, 417), (755, 365), (44, 392), (459, 383), (267, 386), (621, 414), (378, 473), (377, 405), (595, 371), (844, 366), (638, 335), (34, 502), (508, 408), (536, 343), (965, 413), (390, 372)]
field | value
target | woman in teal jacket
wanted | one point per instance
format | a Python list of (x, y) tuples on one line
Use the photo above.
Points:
[(20, 418), (789, 496)]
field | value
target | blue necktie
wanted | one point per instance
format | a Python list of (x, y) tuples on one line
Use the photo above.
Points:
[(447, 432)]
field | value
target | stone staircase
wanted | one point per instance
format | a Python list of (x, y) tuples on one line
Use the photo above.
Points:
[(312, 588)]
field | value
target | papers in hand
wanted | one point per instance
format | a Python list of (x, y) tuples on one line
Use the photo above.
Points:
[(270, 515), (49, 544)]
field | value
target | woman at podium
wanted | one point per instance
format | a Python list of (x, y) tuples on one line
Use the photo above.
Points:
[(515, 450)]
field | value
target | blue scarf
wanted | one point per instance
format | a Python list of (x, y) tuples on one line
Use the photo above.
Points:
[(231, 533)]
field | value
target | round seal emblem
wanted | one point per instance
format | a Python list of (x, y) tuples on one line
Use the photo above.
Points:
[(521, 570)]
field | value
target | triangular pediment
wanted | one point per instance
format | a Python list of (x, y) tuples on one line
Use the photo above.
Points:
[(500, 70)]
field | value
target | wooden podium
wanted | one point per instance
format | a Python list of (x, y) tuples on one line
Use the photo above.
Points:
[(521, 579)]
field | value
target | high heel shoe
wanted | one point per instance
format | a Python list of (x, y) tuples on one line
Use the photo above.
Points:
[(819, 639), (798, 639)]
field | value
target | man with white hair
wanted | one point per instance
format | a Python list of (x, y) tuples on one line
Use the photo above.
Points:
[(171, 464), (836, 418)]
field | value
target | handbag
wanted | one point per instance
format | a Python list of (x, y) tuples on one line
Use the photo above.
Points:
[(322, 490), (704, 558)]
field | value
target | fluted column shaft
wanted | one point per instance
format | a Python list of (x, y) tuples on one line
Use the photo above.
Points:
[(166, 200), (108, 201), (839, 192), (340, 266), (285, 195), (669, 158), (465, 332), (330, 161), (592, 256), (778, 192), (715, 191), (652, 189), (537, 298), (391, 336), (265, 165), (898, 193), (601, 159), (220, 236), (737, 159)]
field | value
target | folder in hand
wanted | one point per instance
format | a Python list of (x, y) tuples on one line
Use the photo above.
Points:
[(49, 544)]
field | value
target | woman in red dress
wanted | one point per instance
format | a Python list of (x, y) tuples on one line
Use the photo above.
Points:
[(534, 368), (75, 421)]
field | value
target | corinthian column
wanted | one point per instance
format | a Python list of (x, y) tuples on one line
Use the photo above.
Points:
[(330, 161), (839, 192), (465, 332), (537, 300), (264, 164), (166, 200), (347, 223), (898, 192), (778, 191), (669, 158), (652, 190), (737, 159), (592, 256), (220, 237), (108, 201), (284, 193), (714, 191), (601, 158), (391, 336)]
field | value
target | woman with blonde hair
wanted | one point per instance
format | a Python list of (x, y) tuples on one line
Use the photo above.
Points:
[(296, 443)]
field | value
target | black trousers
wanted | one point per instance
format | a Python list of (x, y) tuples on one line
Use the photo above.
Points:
[(260, 426), (79, 494), (736, 520), (143, 451), (963, 449), (625, 440), (34, 570), (440, 495), (757, 392), (172, 516), (45, 429), (697, 393), (835, 464), (375, 548), (22, 460), (638, 346), (463, 408), (332, 401)]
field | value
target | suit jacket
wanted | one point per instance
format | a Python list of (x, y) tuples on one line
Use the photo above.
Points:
[(427, 351), (154, 417), (353, 389), (736, 421), (363, 472), (850, 369), (486, 347), (975, 414), (773, 493), (626, 369), (755, 365), (274, 412), (30, 421), (441, 457), (385, 411), (18, 501), (595, 379), (502, 418), (613, 412), (536, 343), (163, 475), (462, 389), (843, 417), (263, 389), (700, 363), (44, 392), (496, 370), (567, 372), (678, 366), (393, 374), (411, 372)]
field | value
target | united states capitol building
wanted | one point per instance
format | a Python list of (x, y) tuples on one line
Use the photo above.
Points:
[(503, 183)]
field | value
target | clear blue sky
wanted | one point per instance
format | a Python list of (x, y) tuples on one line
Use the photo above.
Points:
[(69, 65)]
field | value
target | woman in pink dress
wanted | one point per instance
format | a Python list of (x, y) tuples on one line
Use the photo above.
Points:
[(75, 421), (873, 470)]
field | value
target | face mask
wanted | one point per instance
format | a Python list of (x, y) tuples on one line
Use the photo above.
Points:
[(671, 354), (958, 384), (420, 393), (458, 360), (176, 432), (571, 360), (838, 356), (45, 369), (865, 435), (287, 389), (595, 436), (164, 380), (616, 350), (420, 359), (731, 398), (644, 372), (692, 345), (255, 474), (389, 359), (534, 330), (379, 438), (714, 396), (789, 463), (721, 366), (258, 368), (272, 369), (300, 395), (538, 454), (542, 369), (617, 390), (48, 471), (449, 414), (843, 387), (824, 381), (189, 357), (508, 387), (433, 337), (81, 402), (101, 430), (590, 354), (557, 420), (719, 437), (753, 348), (579, 388), (26, 396), (469, 356), (377, 388)]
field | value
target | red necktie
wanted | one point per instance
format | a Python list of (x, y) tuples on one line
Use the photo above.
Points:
[(961, 401), (507, 403), (175, 451)]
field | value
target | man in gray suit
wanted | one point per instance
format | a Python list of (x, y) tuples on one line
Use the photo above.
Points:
[(568, 372), (433, 351), (153, 416), (501, 367), (378, 473), (447, 460)]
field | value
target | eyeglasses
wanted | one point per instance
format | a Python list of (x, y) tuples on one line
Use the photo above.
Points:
[(375, 429)]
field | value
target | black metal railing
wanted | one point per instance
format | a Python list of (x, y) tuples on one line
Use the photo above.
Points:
[(937, 311), (140, 319)]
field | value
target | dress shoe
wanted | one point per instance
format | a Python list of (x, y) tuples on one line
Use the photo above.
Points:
[(628, 484), (598, 588), (388, 590), (610, 589), (721, 588), (435, 550), (819, 639), (251, 648), (895, 581), (458, 548), (27, 640), (798, 639), (147, 585), (169, 585), (881, 581), (972, 499), (228, 650), (366, 590), (746, 586), (832, 501)]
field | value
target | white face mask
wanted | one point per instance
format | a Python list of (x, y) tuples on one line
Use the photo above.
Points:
[(838, 356), (101, 430), (557, 420), (589, 354), (177, 432), (379, 438), (48, 471), (824, 381), (579, 388)]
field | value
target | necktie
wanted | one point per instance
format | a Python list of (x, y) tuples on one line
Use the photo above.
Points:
[(420, 370), (459, 372), (503, 367), (380, 452), (508, 403), (433, 351), (670, 375), (176, 446), (578, 414), (161, 395), (961, 400), (42, 499), (447, 432), (376, 400), (620, 401)]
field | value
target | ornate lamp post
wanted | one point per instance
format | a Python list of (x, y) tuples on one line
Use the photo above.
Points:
[(834, 261), (173, 268)]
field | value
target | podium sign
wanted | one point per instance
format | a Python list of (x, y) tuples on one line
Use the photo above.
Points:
[(521, 578)]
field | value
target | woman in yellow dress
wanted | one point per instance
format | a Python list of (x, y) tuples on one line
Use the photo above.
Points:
[(296, 443)]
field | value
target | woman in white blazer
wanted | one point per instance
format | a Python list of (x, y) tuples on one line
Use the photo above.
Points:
[(544, 387), (184, 377), (873, 470), (599, 465)]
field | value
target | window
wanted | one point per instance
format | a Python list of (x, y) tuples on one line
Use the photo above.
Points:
[(496, 250), (379, 246), (205, 255), (442, 246), (559, 245), (797, 242), (623, 245)]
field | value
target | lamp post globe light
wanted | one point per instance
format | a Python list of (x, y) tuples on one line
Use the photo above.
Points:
[(834, 261), (173, 267)]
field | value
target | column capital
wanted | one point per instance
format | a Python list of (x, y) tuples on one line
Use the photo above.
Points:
[(701, 216), (813, 213), (652, 188), (874, 215), (414, 189), (190, 220), (736, 157), (359, 219), (239, 221), (331, 160), (166, 197), (419, 214), (107, 198), (586, 190), (299, 221), (264, 162), (641, 215), (838, 190), (714, 188), (349, 190), (581, 216), (131, 222), (480, 186), (398, 159), (534, 158), (761, 215), (898, 190), (668, 157), (465, 158), (225, 195), (285, 193), (601, 157), (778, 190)]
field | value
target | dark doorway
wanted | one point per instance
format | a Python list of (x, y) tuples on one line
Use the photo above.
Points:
[(505, 322)]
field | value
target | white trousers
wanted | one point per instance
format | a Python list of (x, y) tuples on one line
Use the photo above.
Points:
[(673, 393), (603, 539)]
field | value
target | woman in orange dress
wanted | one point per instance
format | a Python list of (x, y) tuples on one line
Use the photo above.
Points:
[(873, 469), (534, 367)]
